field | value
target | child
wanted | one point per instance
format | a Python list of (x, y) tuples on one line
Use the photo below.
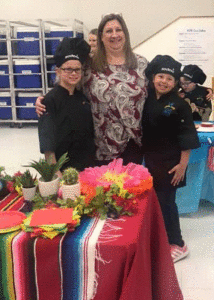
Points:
[(168, 135), (193, 93), (67, 125)]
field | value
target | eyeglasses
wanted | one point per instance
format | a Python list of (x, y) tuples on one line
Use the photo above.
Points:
[(185, 83), (71, 70)]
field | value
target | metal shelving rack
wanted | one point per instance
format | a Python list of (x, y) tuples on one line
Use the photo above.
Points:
[(11, 40)]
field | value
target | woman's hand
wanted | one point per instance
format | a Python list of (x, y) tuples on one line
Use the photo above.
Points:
[(180, 169), (40, 108)]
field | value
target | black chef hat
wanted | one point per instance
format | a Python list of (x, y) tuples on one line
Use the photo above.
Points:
[(163, 64), (194, 74), (71, 48)]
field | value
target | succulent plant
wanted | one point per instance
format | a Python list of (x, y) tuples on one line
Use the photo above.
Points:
[(27, 180), (46, 169), (70, 176)]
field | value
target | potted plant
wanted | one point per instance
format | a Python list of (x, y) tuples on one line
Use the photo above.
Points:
[(49, 181), (28, 183), (71, 186)]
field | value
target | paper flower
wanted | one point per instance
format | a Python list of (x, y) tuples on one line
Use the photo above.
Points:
[(133, 178)]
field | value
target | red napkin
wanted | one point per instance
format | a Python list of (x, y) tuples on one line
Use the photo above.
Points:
[(10, 219), (52, 216)]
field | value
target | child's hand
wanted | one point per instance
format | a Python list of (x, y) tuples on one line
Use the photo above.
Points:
[(209, 96), (181, 94), (194, 107), (179, 172)]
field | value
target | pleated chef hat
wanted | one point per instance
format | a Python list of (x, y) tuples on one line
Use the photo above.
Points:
[(163, 64), (71, 49), (194, 74)]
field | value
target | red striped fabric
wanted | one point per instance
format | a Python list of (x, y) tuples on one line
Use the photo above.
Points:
[(48, 268)]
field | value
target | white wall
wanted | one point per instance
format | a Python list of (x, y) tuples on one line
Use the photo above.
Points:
[(143, 17), (38, 9), (165, 42)]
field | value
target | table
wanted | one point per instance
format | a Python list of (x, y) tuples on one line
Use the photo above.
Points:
[(132, 261), (200, 181)]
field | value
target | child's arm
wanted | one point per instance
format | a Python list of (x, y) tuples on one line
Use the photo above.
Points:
[(180, 169), (50, 156), (209, 95)]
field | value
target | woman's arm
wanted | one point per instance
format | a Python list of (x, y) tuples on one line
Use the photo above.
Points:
[(180, 169)]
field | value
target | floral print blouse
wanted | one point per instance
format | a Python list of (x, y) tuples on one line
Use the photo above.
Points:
[(117, 99)]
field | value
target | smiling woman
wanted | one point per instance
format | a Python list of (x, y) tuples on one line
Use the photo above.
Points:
[(113, 37), (116, 86)]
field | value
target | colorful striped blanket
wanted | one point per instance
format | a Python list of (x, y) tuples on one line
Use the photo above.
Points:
[(38, 268)]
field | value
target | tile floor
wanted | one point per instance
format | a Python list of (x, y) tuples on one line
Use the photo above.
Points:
[(18, 146)]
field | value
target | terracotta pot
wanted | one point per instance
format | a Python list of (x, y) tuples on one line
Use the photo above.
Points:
[(48, 188), (70, 191), (29, 193)]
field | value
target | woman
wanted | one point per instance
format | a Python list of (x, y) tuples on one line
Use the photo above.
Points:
[(92, 40), (67, 125), (169, 135), (116, 86)]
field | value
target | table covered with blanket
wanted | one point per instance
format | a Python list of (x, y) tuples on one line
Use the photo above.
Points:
[(123, 259), (200, 180)]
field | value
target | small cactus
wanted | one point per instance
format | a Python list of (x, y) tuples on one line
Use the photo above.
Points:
[(27, 180), (70, 176)]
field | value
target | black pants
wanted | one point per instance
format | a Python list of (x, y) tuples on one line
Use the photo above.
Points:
[(170, 214)]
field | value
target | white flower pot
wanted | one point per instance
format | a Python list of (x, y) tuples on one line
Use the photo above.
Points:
[(29, 193), (70, 191), (48, 188)]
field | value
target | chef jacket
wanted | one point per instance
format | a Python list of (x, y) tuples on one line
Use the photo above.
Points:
[(168, 128), (67, 126)]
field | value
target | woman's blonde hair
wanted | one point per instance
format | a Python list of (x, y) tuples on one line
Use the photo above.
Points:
[(99, 62)]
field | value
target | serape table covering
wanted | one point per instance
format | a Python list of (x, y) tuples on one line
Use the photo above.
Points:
[(124, 259)]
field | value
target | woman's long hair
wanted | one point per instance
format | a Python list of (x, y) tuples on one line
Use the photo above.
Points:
[(100, 60)]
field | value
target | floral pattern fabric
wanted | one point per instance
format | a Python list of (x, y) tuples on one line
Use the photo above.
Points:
[(117, 99)]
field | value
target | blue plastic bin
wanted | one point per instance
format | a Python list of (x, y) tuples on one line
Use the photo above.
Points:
[(5, 112), (4, 74), (3, 44), (27, 100), (29, 45), (59, 33), (26, 68)]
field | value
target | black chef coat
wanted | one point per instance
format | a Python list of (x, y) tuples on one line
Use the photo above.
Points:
[(198, 96), (67, 126), (168, 128)]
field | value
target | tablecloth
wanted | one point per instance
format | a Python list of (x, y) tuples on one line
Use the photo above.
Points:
[(200, 180), (132, 261)]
